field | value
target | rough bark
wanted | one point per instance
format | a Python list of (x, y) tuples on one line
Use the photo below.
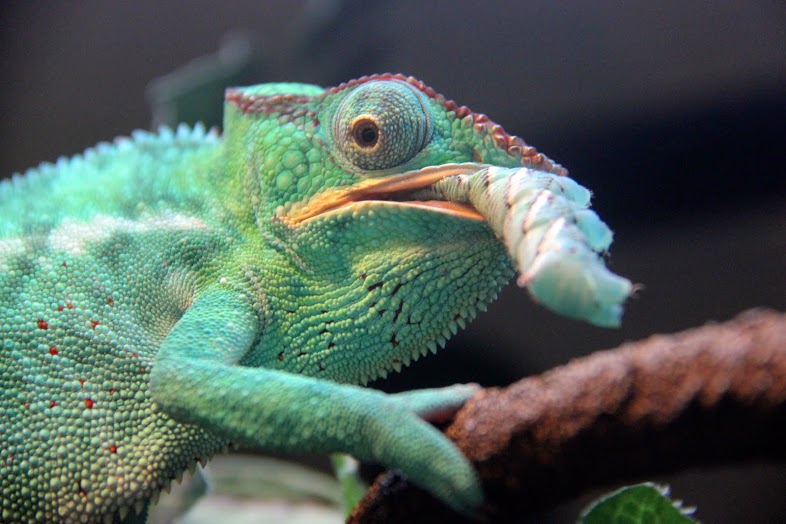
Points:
[(708, 395)]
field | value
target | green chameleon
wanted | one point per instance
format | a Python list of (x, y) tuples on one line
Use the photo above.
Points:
[(171, 293)]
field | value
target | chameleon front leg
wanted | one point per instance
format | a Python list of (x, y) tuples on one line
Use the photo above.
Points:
[(434, 405), (197, 379)]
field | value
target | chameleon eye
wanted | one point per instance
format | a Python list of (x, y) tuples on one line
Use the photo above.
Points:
[(381, 124)]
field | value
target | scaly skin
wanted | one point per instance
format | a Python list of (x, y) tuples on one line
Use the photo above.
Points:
[(172, 293)]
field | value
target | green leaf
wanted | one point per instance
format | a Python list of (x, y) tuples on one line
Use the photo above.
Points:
[(641, 503), (347, 470)]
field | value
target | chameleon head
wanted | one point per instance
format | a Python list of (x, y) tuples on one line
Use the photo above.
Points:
[(331, 173)]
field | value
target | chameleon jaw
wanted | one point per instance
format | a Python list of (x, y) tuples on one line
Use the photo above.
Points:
[(394, 190)]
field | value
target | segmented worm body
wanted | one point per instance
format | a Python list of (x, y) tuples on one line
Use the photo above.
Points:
[(555, 241)]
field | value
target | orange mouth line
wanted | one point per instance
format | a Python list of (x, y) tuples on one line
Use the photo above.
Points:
[(392, 190)]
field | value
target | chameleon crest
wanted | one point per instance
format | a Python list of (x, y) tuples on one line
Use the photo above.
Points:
[(171, 293)]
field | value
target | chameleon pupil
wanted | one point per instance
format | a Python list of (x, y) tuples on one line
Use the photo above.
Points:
[(366, 133)]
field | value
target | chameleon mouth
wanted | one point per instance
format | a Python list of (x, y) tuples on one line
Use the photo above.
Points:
[(398, 190)]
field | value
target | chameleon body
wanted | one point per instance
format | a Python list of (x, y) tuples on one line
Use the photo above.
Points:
[(170, 293)]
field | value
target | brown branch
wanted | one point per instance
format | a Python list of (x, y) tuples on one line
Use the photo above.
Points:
[(707, 395)]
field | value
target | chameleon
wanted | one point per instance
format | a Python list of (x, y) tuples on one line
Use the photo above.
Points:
[(174, 292)]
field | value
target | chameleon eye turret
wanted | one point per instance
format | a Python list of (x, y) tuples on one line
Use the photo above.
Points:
[(381, 125)]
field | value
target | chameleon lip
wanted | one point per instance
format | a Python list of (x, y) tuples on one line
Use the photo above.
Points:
[(395, 190)]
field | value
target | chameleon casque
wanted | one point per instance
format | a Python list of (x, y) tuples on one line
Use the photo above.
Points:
[(170, 293)]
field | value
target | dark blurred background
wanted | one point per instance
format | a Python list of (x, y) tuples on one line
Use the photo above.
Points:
[(673, 113)]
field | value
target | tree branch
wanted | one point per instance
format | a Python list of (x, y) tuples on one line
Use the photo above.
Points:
[(707, 395)]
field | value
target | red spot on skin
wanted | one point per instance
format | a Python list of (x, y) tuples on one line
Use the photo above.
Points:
[(64, 264), (112, 448), (69, 305), (60, 308), (143, 369), (94, 323), (135, 354), (89, 403), (53, 350), (110, 301), (43, 324), (112, 390), (52, 403), (82, 381)]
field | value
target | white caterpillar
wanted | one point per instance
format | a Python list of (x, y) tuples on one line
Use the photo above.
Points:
[(551, 235)]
